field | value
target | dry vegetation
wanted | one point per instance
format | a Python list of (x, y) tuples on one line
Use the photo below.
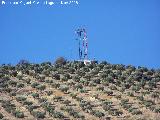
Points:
[(74, 91)]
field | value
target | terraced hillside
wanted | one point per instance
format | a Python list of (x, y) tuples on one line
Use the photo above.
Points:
[(74, 91)]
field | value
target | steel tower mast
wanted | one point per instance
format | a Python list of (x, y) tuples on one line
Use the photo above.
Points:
[(82, 43)]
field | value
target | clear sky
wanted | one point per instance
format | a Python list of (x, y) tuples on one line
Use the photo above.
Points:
[(119, 31)]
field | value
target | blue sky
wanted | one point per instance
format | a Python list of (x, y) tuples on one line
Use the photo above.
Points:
[(119, 31)]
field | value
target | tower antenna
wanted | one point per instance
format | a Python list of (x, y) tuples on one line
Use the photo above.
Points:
[(82, 44)]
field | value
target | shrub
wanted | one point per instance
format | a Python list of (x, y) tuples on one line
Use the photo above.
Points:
[(136, 112), (58, 115), (49, 92), (64, 88), (13, 94), (32, 107), (107, 102), (60, 61), (41, 87), (122, 89), (100, 88), (118, 113), (109, 92), (42, 100), (126, 106), (157, 110), (56, 76), (57, 98), (130, 94), (1, 116), (130, 109), (141, 98), (19, 114), (118, 96), (106, 107), (4, 85), (97, 81), (49, 81), (124, 100), (38, 114), (33, 85), (98, 114), (113, 87), (50, 109), (67, 76), (83, 91), (20, 85), (76, 78), (13, 83), (67, 102), (35, 95), (21, 98), (55, 85), (7, 90), (71, 70), (27, 103), (73, 95), (23, 62), (148, 103), (64, 78), (78, 86), (28, 81)]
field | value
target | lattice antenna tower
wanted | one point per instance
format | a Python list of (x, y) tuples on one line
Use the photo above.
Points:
[(82, 43)]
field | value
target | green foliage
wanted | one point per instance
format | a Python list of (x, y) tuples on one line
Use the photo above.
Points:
[(106, 107), (141, 98), (136, 112), (118, 96), (35, 95), (136, 88), (110, 80), (124, 100), (32, 107), (1, 116), (157, 110), (27, 103), (41, 87), (56, 76), (60, 61), (130, 94), (97, 113), (21, 98), (49, 81), (108, 92), (8, 106), (20, 85), (57, 114), (38, 114), (57, 98), (12, 83), (148, 103), (19, 114), (83, 90), (33, 85), (64, 88), (55, 85), (101, 88), (73, 95), (64, 78)]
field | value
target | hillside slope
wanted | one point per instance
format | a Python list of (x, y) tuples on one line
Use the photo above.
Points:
[(71, 91)]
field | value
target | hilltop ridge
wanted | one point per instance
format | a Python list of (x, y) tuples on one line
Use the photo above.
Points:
[(71, 90)]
